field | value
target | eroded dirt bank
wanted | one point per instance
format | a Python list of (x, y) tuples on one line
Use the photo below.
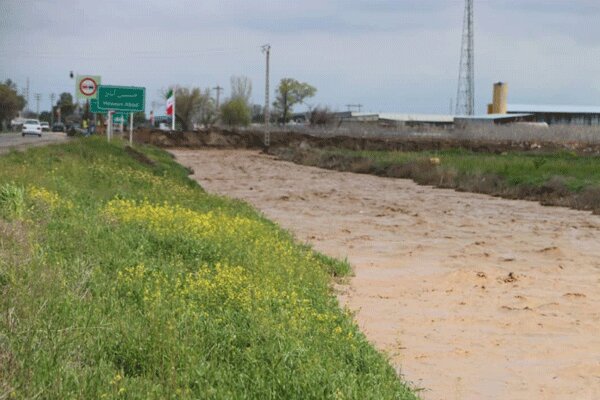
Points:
[(473, 297), (233, 139)]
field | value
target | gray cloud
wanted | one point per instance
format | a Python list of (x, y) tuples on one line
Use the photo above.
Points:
[(399, 55)]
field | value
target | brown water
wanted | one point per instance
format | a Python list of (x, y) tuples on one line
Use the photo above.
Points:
[(473, 297)]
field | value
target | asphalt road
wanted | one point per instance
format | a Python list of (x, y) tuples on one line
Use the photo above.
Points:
[(14, 140)]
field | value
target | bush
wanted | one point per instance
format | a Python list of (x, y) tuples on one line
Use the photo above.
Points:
[(235, 112), (321, 116)]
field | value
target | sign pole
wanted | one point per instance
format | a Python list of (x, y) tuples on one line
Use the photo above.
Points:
[(130, 129), (110, 126)]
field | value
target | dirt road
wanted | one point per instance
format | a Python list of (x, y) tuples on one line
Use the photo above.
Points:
[(473, 297)]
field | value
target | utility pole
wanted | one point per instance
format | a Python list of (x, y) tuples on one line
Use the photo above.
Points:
[(218, 89), (52, 96), (152, 113), (465, 97), (267, 50), (27, 94), (37, 96)]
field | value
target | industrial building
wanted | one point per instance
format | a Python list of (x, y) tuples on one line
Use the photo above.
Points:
[(396, 119), (501, 112), (555, 114), (463, 121)]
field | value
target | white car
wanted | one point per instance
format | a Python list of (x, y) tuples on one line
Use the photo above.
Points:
[(31, 127), (45, 126)]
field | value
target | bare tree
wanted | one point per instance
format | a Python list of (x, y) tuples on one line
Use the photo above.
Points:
[(236, 109), (320, 116), (241, 88), (193, 105), (207, 110)]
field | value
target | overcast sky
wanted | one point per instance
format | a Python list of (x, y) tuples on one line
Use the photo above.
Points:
[(389, 55)]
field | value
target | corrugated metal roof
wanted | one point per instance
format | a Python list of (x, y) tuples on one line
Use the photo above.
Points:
[(417, 117), (354, 114), (491, 116), (550, 108), (363, 114)]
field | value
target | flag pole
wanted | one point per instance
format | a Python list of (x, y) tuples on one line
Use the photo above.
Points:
[(173, 119)]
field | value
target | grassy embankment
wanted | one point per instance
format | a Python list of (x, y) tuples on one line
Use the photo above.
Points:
[(121, 278), (561, 178)]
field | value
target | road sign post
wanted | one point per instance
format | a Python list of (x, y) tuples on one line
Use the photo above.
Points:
[(109, 127), (131, 129)]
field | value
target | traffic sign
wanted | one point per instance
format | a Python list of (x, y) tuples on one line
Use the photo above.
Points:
[(120, 117), (87, 86), (121, 98), (94, 109)]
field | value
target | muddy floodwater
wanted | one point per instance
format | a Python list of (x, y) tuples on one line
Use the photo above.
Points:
[(473, 297)]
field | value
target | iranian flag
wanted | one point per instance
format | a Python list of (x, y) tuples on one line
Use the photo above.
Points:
[(170, 102)]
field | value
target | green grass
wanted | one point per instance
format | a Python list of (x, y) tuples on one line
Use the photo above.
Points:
[(123, 279), (534, 169)]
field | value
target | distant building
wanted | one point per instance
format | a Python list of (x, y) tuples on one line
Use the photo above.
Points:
[(555, 114), (396, 119), (463, 121)]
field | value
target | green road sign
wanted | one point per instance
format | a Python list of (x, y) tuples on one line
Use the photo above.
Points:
[(94, 109), (120, 117), (121, 98)]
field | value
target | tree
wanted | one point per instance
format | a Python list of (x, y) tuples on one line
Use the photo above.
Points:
[(235, 112), (207, 115), (257, 112), (289, 93), (320, 116), (45, 116), (191, 106), (11, 103), (241, 88), (139, 118), (65, 104)]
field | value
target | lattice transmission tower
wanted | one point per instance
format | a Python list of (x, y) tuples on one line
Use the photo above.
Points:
[(465, 97)]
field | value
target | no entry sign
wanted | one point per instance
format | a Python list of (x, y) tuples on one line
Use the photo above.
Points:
[(87, 86)]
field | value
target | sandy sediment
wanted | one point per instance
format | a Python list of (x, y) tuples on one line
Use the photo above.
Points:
[(473, 297)]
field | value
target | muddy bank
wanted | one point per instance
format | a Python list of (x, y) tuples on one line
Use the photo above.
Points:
[(303, 149), (224, 138), (427, 172)]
